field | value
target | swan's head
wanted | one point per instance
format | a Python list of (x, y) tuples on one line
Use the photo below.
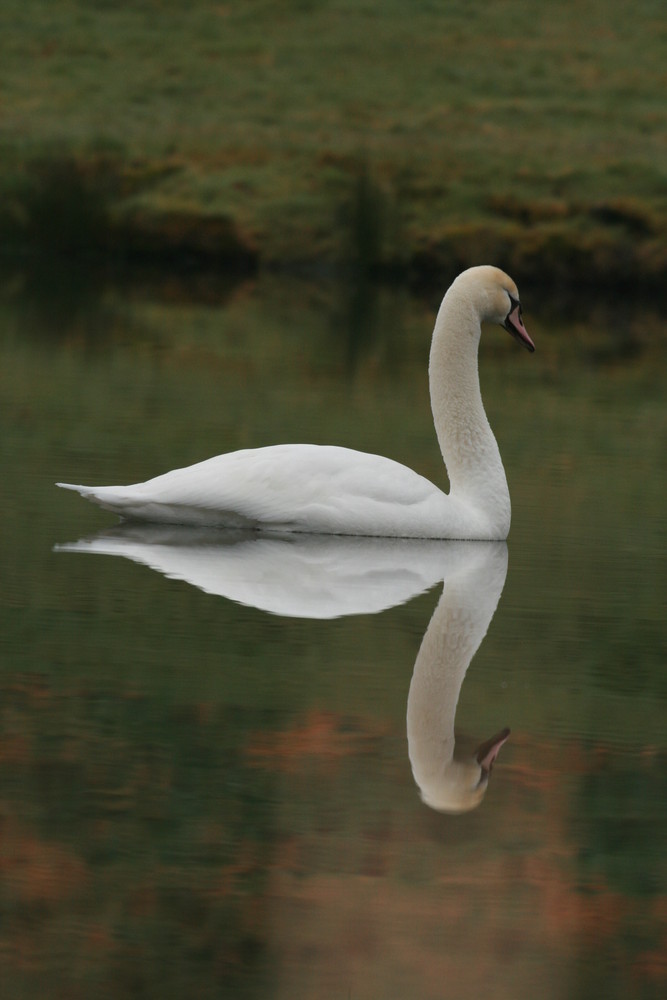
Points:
[(462, 784), (496, 299)]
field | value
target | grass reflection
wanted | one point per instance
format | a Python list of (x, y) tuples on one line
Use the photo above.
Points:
[(137, 839), (170, 848)]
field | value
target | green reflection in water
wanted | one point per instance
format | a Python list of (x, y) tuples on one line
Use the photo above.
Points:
[(137, 841)]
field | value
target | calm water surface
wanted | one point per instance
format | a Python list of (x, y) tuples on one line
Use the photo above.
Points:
[(236, 767)]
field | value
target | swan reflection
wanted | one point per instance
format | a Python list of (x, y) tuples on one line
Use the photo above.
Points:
[(450, 783), (294, 575), (319, 576)]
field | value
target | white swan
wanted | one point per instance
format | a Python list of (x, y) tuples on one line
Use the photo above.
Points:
[(332, 490)]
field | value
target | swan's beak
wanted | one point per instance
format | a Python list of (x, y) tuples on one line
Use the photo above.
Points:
[(488, 751), (514, 325)]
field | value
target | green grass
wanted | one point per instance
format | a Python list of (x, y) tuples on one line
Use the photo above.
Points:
[(511, 130)]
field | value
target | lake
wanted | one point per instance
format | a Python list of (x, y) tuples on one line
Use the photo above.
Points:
[(242, 767)]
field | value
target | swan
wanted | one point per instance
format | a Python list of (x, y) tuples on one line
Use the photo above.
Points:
[(326, 489)]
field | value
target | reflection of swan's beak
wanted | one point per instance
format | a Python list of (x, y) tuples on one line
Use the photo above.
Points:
[(489, 750)]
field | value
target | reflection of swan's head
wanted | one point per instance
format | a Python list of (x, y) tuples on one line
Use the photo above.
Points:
[(461, 784)]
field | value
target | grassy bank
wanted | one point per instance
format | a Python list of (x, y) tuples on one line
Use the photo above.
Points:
[(415, 136)]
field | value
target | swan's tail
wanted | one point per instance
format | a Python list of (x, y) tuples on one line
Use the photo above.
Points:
[(83, 490), (130, 503), (98, 494), (113, 498)]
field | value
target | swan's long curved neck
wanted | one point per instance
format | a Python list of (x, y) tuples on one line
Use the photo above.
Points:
[(468, 446)]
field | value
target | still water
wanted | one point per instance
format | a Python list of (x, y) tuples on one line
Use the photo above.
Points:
[(246, 767)]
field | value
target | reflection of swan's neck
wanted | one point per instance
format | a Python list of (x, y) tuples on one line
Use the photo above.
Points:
[(458, 625), (468, 446)]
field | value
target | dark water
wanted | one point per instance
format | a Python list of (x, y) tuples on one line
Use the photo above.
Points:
[(223, 767)]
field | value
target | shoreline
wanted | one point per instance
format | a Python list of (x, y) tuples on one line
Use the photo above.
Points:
[(600, 258), (101, 211)]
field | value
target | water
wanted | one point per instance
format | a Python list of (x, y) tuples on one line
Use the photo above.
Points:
[(208, 786)]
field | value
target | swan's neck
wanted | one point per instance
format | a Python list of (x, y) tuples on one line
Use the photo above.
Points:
[(469, 449)]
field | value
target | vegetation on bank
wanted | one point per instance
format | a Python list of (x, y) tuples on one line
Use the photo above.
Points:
[(404, 137)]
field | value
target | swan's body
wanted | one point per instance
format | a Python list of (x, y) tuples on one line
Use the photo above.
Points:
[(333, 490)]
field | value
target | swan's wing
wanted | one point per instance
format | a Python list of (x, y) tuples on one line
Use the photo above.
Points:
[(285, 487)]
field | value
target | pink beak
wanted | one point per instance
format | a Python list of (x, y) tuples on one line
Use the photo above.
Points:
[(488, 751), (514, 325)]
